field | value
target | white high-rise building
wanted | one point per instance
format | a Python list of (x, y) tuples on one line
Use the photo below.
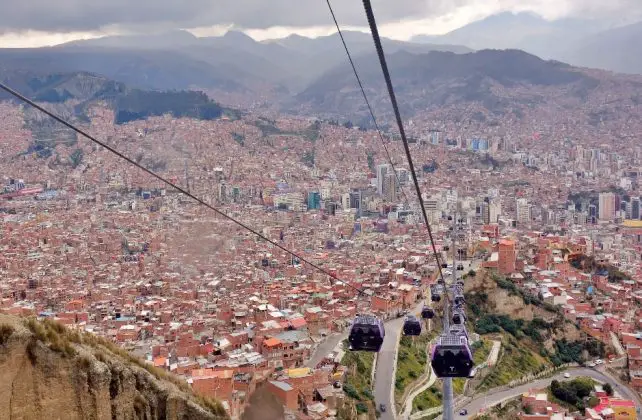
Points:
[(607, 206), (382, 171), (523, 211), (494, 210), (345, 201)]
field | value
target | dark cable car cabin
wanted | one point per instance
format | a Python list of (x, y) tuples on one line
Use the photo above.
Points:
[(427, 312), (459, 317), (366, 334), (451, 357), (459, 300), (435, 293), (411, 326)]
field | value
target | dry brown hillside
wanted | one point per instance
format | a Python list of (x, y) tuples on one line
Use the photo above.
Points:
[(48, 372), (505, 301)]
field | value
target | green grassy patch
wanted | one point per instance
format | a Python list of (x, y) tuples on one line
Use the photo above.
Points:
[(359, 376), (481, 350), (358, 382), (458, 386), (517, 359), (430, 398), (411, 362)]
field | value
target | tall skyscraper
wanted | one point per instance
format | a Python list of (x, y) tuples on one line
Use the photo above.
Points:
[(314, 200), (355, 199), (494, 211), (635, 208), (403, 174), (485, 212), (382, 171), (390, 187), (523, 211), (606, 206), (592, 210)]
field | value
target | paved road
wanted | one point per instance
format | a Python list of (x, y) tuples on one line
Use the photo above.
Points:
[(407, 409), (326, 347), (492, 398), (384, 376), (494, 353)]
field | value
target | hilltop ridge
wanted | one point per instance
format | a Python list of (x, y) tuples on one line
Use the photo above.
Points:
[(49, 372)]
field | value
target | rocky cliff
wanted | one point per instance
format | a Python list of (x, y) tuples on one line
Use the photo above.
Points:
[(48, 372)]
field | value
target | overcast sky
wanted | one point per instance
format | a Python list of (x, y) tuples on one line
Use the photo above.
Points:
[(42, 22)]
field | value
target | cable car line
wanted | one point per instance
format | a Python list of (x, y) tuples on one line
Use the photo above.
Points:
[(391, 92), (365, 98), (452, 355), (176, 187)]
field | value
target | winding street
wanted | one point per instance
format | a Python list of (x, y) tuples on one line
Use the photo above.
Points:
[(387, 359), (492, 398)]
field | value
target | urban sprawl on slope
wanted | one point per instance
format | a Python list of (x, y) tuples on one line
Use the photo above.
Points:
[(100, 246)]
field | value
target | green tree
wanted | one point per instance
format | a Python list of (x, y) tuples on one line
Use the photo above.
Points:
[(608, 388), (76, 157), (370, 157)]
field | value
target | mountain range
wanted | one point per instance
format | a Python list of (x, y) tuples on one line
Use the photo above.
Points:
[(179, 60), (312, 75), (439, 79), (589, 43)]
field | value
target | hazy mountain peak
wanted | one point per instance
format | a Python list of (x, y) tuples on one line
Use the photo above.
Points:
[(511, 17), (168, 39), (238, 36)]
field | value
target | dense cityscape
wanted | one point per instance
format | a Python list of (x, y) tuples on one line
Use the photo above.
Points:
[(262, 251), (100, 246)]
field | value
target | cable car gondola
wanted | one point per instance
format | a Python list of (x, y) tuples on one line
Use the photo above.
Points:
[(459, 317), (411, 326), (459, 299), (435, 293), (451, 357), (427, 312), (366, 334)]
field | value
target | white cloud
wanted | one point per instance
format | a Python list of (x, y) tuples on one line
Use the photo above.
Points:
[(31, 23)]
